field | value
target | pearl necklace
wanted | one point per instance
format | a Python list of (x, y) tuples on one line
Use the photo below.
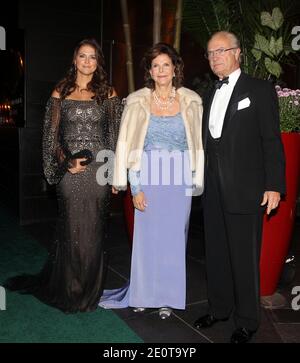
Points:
[(164, 105)]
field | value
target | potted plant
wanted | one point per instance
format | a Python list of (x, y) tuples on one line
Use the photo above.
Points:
[(277, 230), (271, 49)]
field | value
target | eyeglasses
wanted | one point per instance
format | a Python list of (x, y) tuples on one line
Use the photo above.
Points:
[(221, 51)]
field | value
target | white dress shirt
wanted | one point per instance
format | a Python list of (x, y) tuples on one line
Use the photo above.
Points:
[(220, 103)]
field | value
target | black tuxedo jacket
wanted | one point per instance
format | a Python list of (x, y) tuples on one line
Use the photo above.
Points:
[(251, 152)]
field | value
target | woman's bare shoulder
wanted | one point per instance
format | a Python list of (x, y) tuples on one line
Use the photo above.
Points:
[(113, 93), (55, 94)]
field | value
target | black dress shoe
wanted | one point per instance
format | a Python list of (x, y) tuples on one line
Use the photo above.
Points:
[(241, 335), (206, 321)]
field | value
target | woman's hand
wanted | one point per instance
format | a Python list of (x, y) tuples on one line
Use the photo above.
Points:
[(114, 190), (76, 166), (139, 201)]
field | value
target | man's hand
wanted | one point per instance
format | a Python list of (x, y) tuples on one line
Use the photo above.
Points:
[(272, 198), (139, 201)]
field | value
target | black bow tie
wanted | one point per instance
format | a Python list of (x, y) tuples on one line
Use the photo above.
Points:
[(219, 83)]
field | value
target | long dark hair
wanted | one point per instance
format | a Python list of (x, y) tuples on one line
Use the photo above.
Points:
[(98, 85), (153, 52)]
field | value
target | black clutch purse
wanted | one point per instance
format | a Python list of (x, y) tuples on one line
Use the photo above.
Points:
[(85, 153)]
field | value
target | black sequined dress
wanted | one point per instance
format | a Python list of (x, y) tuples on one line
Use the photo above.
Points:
[(72, 278)]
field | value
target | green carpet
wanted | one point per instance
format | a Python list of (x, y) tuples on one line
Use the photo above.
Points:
[(26, 319)]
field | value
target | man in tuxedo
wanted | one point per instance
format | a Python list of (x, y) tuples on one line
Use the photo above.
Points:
[(245, 175)]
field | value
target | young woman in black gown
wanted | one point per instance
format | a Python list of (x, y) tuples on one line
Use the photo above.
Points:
[(82, 118)]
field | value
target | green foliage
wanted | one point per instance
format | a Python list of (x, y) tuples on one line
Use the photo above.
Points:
[(274, 20), (273, 67), (272, 45), (203, 18), (261, 26)]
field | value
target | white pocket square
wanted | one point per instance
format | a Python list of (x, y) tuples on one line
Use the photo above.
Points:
[(244, 103)]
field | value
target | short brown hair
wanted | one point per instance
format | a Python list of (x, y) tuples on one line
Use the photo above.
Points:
[(153, 52)]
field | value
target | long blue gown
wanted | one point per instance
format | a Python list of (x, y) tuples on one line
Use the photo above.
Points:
[(158, 270)]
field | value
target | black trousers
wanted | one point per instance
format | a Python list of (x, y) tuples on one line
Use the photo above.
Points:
[(232, 247)]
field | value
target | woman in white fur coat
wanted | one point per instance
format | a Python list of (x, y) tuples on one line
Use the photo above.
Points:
[(160, 150)]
